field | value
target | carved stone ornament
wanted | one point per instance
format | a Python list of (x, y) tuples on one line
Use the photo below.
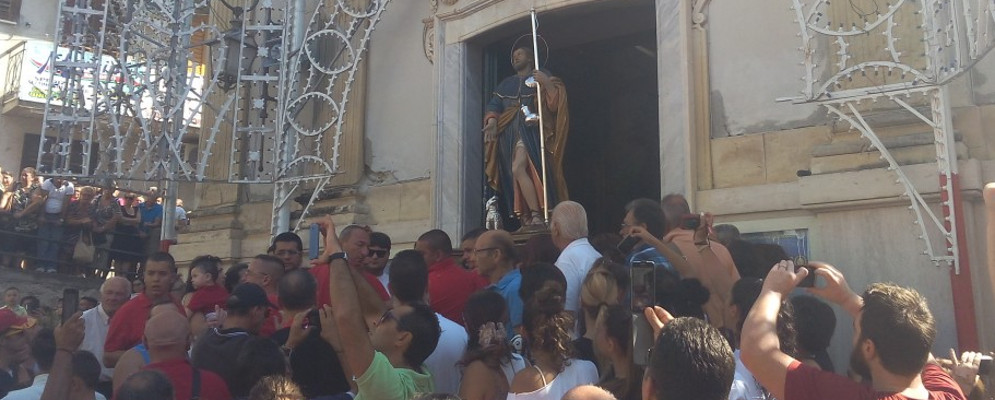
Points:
[(698, 16), (428, 38)]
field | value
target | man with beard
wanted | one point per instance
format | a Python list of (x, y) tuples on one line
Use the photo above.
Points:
[(893, 330)]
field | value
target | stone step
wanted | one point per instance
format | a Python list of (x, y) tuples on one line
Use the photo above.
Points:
[(858, 144), (871, 159)]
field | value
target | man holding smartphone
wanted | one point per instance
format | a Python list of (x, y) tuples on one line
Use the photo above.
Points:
[(647, 216), (894, 331)]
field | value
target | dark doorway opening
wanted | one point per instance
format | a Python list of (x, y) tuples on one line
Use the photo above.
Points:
[(606, 56)]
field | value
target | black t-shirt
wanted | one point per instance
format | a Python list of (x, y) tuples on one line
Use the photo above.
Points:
[(7, 382), (314, 365), (217, 350), (584, 350)]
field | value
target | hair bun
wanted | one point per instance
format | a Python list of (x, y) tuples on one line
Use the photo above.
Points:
[(550, 298)]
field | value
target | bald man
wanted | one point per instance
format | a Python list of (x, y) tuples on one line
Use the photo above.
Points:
[(588, 392), (494, 255), (113, 293)]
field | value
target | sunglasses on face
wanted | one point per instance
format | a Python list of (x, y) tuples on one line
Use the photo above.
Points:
[(379, 253), (387, 315)]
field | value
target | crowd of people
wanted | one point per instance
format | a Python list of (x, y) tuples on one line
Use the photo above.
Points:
[(671, 307), (57, 225)]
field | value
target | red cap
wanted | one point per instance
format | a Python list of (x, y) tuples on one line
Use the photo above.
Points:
[(11, 321)]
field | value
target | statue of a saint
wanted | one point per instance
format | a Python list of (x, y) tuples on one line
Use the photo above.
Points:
[(512, 155)]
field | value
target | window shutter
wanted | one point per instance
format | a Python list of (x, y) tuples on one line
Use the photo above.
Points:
[(10, 10)]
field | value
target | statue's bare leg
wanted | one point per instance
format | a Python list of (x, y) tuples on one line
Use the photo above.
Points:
[(520, 172)]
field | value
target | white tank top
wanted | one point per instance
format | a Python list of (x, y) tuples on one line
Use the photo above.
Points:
[(579, 372)]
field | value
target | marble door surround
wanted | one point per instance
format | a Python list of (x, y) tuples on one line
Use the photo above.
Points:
[(682, 69)]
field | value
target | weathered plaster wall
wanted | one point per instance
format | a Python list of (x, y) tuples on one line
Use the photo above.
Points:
[(400, 118), (400, 125), (753, 59)]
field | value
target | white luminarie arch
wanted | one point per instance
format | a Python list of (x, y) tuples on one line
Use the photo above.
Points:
[(124, 75)]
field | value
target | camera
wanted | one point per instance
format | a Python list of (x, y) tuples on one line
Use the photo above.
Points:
[(691, 222)]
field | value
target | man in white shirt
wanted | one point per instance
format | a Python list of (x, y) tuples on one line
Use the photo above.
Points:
[(57, 192), (568, 227), (113, 293)]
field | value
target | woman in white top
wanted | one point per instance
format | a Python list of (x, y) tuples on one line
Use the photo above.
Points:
[(488, 364), (546, 328)]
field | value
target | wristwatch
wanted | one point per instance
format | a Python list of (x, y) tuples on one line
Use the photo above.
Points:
[(337, 256)]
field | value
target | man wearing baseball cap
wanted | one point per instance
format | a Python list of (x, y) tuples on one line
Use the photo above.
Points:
[(14, 349), (248, 308), (167, 336)]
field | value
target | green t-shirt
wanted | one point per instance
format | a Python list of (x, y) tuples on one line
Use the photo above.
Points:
[(384, 382)]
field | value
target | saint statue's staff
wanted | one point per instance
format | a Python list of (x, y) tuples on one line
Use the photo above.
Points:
[(542, 132)]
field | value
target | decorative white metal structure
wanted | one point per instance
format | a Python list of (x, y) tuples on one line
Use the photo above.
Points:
[(133, 81), (910, 75), (873, 69)]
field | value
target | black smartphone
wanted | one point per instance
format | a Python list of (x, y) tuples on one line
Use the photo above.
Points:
[(985, 367), (691, 222), (314, 241), (642, 281), (627, 244), (313, 319), (70, 303), (809, 281)]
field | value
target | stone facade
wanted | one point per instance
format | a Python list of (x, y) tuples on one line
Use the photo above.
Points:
[(723, 141)]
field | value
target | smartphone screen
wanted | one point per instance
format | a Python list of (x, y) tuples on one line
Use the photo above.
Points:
[(70, 303), (314, 242), (627, 244), (642, 278)]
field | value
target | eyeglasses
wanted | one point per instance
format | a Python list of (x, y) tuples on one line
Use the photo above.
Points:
[(484, 249), (287, 253), (379, 253), (386, 315)]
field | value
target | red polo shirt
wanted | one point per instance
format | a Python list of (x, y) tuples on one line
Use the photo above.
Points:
[(128, 324), (180, 374), (322, 273), (449, 286), (269, 325)]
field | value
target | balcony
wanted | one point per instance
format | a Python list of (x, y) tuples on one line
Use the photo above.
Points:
[(19, 95)]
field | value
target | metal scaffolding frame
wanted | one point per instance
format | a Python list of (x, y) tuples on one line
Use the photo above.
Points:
[(125, 83)]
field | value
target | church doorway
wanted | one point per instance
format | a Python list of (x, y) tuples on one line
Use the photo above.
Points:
[(606, 55)]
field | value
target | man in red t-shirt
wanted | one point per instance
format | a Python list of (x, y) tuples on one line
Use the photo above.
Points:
[(449, 285), (893, 330), (355, 241), (167, 336), (126, 328), (266, 271)]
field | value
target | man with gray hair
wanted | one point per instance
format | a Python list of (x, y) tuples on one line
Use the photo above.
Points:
[(113, 293), (568, 227)]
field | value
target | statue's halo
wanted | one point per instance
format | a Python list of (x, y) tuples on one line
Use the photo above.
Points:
[(542, 43)]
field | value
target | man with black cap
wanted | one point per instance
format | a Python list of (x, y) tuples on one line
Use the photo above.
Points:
[(248, 308), (14, 349)]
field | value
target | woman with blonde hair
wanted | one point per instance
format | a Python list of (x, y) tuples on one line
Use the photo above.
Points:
[(600, 289)]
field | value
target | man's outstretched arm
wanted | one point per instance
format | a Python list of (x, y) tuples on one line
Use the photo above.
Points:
[(348, 313), (760, 347)]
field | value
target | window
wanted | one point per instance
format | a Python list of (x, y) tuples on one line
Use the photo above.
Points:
[(10, 10)]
